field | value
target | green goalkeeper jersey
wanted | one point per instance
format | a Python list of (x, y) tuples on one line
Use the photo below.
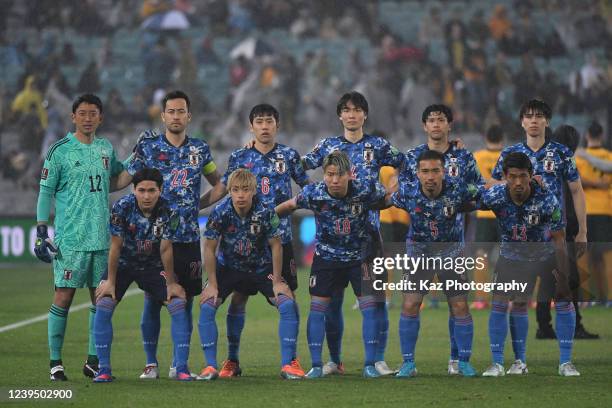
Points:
[(79, 176)]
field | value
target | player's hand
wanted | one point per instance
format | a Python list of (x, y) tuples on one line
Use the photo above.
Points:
[(458, 142), (105, 288), (279, 286), (44, 248), (249, 144), (175, 290), (210, 291), (581, 243)]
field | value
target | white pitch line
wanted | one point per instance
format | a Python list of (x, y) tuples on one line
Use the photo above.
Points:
[(46, 315)]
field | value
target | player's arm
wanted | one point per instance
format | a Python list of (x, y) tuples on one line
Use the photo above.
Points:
[(107, 287), (286, 207), (210, 264), (217, 192), (600, 164), (44, 247), (278, 285), (173, 288), (120, 181), (577, 192), (562, 271)]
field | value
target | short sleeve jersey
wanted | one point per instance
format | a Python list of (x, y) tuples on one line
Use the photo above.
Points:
[(79, 175)]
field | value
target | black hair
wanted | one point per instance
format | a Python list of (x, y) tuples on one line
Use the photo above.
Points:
[(495, 134), (356, 98), (87, 98), (567, 135), (263, 109), (536, 106), (595, 130), (148, 174), (430, 155), (517, 160), (176, 95), (443, 109)]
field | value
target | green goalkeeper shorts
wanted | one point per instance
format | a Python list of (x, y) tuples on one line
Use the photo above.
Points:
[(79, 269)]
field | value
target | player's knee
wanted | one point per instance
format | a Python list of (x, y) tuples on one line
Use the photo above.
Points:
[(208, 310), (63, 297), (411, 307), (106, 303), (176, 305), (459, 308), (519, 306), (286, 306), (318, 304)]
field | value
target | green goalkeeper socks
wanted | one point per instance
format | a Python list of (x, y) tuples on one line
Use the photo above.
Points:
[(56, 328)]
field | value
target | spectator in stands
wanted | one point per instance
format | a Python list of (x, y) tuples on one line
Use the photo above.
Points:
[(526, 80), (499, 24), (206, 53), (478, 30), (159, 64), (305, 25), (29, 101), (431, 28), (90, 79), (68, 56), (239, 70), (239, 20)]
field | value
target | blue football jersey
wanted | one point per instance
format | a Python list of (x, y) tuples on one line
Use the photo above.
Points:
[(527, 223), (274, 172), (458, 163), (243, 245), (367, 156), (182, 168), (435, 220), (141, 235), (342, 223), (554, 162)]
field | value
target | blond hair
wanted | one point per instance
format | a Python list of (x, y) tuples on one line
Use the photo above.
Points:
[(240, 178)]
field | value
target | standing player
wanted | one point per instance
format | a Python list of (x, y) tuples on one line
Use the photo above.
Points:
[(486, 225), (274, 165), (433, 202), (182, 160), (77, 173), (367, 154), (529, 217), (245, 232), (141, 252), (460, 166), (340, 206)]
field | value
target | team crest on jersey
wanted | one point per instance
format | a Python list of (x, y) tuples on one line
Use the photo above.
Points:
[(533, 218), (453, 167), (356, 208), (549, 162), (105, 162), (158, 228), (279, 164), (44, 173), (194, 157), (368, 153), (255, 225), (448, 209)]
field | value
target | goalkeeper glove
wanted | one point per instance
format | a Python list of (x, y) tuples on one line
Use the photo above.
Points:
[(44, 248)]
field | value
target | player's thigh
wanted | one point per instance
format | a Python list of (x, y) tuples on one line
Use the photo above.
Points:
[(188, 266), (419, 281), (289, 272), (73, 269), (99, 266), (123, 280), (487, 230), (229, 280), (599, 237), (362, 279), (508, 271), (323, 280), (453, 283)]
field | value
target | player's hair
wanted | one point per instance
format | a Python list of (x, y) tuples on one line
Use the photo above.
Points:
[(262, 110), (339, 159), (595, 130), (356, 98), (517, 160), (87, 98), (443, 109), (148, 174), (495, 134), (176, 95), (430, 155), (536, 106), (242, 177), (567, 135)]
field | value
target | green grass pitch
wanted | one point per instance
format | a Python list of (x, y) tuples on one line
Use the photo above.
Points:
[(27, 292)]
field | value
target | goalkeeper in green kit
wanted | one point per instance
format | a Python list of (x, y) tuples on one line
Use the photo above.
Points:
[(78, 173)]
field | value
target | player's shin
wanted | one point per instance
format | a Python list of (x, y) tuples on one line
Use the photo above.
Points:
[(370, 328), (287, 328), (565, 325), (150, 327), (409, 326), (498, 329), (519, 327), (189, 319), (382, 316), (208, 332), (56, 329), (334, 327), (464, 335), (180, 333), (315, 332), (103, 332), (235, 324)]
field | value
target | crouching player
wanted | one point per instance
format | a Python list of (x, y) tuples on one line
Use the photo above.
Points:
[(141, 252), (529, 218), (249, 260), (340, 206)]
